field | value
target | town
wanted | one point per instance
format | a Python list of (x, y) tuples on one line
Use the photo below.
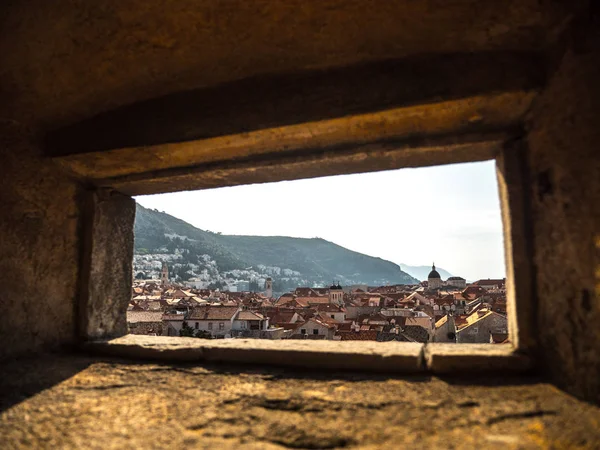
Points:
[(436, 310)]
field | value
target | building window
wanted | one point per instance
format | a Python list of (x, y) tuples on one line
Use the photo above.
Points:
[(332, 316), (243, 324), (303, 331), (315, 331), (210, 325), (221, 326), (196, 325)]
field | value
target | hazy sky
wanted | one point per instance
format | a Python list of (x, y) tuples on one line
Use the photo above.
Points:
[(447, 214)]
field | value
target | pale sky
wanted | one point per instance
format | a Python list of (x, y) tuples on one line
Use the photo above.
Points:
[(447, 214)]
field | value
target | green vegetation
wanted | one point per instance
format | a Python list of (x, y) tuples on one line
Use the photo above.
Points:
[(315, 259)]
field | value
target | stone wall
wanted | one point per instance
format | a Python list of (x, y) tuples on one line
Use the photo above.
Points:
[(39, 256), (564, 147)]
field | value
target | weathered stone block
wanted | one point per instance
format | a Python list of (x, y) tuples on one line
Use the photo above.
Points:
[(565, 190), (371, 356), (39, 246), (475, 358), (106, 265)]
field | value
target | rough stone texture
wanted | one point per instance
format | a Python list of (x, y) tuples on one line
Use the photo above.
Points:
[(443, 358), (388, 357), (564, 142), (458, 121), (79, 402), (39, 253), (513, 182), (374, 356), (273, 101), (66, 60), (107, 265), (352, 159)]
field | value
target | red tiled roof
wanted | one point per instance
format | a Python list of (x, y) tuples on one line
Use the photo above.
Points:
[(213, 313), (490, 282), (362, 335), (173, 317), (250, 315), (144, 316), (326, 307)]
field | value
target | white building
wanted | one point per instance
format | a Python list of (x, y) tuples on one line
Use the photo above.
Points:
[(457, 282), (269, 287)]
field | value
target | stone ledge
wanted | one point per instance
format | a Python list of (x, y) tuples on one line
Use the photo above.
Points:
[(457, 358), (76, 401), (371, 356), (393, 357)]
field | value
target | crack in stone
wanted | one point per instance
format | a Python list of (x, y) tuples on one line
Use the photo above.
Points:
[(104, 387), (173, 369), (521, 415)]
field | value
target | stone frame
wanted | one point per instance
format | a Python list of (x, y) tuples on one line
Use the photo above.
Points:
[(108, 205)]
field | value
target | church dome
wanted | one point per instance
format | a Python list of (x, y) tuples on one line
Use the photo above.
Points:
[(334, 287), (434, 273)]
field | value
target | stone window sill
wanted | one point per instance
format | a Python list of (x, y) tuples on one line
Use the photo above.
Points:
[(389, 357)]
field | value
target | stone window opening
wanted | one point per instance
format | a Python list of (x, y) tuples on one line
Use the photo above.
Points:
[(438, 356), (112, 199)]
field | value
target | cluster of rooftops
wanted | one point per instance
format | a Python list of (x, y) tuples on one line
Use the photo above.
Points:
[(412, 313)]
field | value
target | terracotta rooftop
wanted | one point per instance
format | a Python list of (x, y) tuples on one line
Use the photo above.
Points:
[(362, 335), (144, 316), (213, 313), (250, 315)]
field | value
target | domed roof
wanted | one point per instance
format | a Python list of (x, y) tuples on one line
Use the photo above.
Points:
[(434, 273), (333, 286)]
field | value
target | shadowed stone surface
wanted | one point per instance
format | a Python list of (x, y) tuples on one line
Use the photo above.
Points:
[(67, 60), (107, 265), (76, 401), (39, 254), (565, 191)]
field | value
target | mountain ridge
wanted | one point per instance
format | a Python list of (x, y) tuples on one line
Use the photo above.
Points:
[(314, 261)]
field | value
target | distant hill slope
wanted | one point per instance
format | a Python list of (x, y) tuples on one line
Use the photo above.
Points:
[(421, 272), (316, 260)]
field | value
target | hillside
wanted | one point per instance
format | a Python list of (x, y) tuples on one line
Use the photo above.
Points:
[(193, 253)]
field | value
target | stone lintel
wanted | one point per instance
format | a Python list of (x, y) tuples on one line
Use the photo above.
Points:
[(438, 123), (342, 160), (276, 100)]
